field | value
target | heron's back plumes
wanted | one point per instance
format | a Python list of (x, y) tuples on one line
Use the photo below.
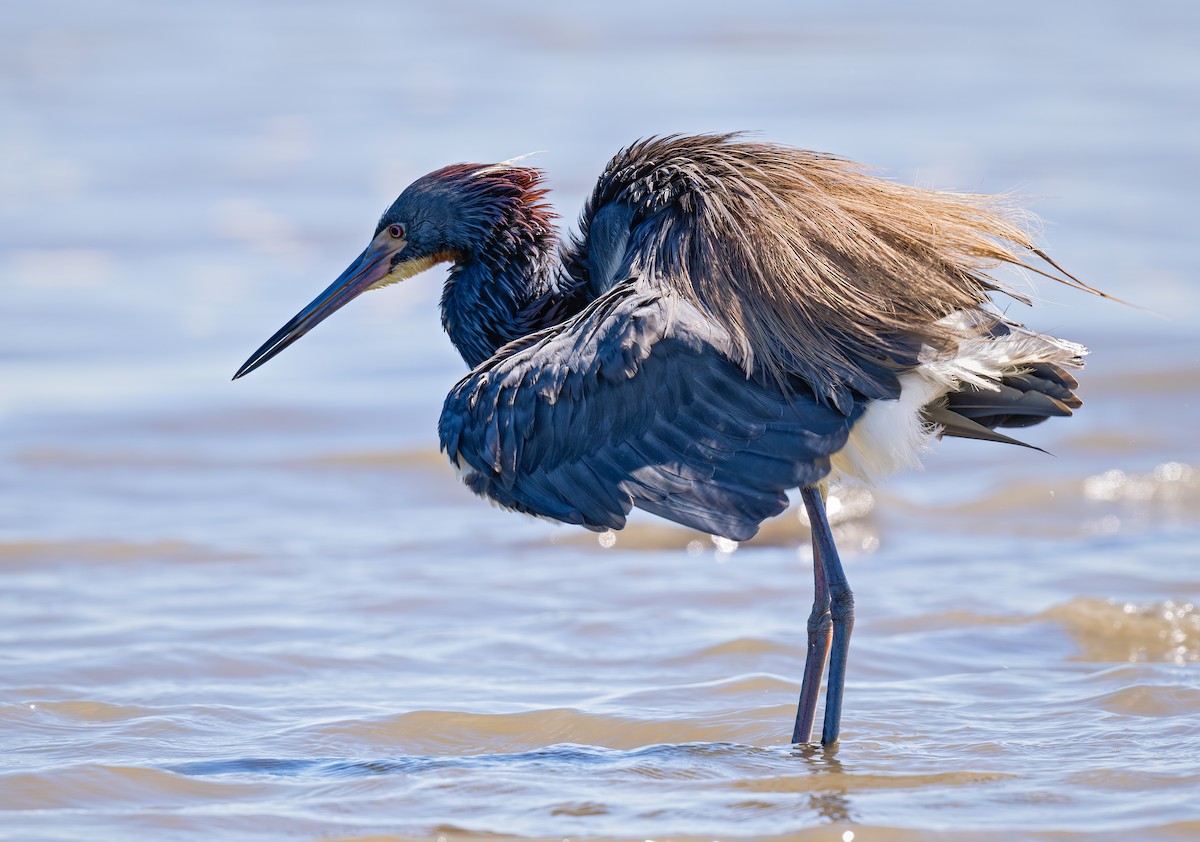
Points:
[(816, 266)]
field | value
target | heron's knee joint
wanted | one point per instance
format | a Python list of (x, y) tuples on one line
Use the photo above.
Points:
[(820, 622), (841, 605)]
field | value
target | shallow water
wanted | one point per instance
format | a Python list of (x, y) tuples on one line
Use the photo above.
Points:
[(266, 609)]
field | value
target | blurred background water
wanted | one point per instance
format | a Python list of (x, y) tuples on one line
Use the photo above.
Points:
[(266, 609)]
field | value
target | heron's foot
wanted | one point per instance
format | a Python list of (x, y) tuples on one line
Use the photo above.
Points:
[(820, 634), (841, 610), (829, 627)]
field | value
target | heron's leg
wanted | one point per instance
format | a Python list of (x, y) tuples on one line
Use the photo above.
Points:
[(841, 609), (820, 631)]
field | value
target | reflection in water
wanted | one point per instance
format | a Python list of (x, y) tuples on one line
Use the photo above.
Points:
[(833, 804)]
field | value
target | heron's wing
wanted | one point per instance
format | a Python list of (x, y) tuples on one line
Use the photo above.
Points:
[(636, 402)]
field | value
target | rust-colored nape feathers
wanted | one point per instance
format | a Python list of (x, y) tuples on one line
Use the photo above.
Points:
[(815, 265)]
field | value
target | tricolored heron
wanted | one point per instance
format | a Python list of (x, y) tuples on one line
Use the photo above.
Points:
[(734, 320)]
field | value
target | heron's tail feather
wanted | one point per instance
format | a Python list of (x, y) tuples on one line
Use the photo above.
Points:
[(1029, 386), (1020, 400), (953, 424)]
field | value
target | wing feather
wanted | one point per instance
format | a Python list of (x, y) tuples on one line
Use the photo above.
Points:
[(637, 401)]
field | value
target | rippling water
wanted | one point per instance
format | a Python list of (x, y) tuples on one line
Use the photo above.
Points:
[(266, 610)]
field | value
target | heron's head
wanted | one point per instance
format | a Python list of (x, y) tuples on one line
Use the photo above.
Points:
[(452, 215)]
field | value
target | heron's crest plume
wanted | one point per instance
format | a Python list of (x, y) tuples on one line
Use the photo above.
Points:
[(473, 208), (510, 164)]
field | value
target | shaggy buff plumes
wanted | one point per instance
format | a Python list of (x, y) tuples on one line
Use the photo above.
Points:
[(816, 266)]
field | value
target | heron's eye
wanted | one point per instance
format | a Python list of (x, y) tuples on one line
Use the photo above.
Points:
[(397, 232)]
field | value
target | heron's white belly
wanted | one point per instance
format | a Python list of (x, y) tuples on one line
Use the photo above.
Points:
[(891, 435)]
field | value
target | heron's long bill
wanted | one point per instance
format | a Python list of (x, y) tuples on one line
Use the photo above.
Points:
[(372, 268)]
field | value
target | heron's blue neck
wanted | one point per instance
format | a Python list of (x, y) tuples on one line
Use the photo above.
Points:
[(490, 301)]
